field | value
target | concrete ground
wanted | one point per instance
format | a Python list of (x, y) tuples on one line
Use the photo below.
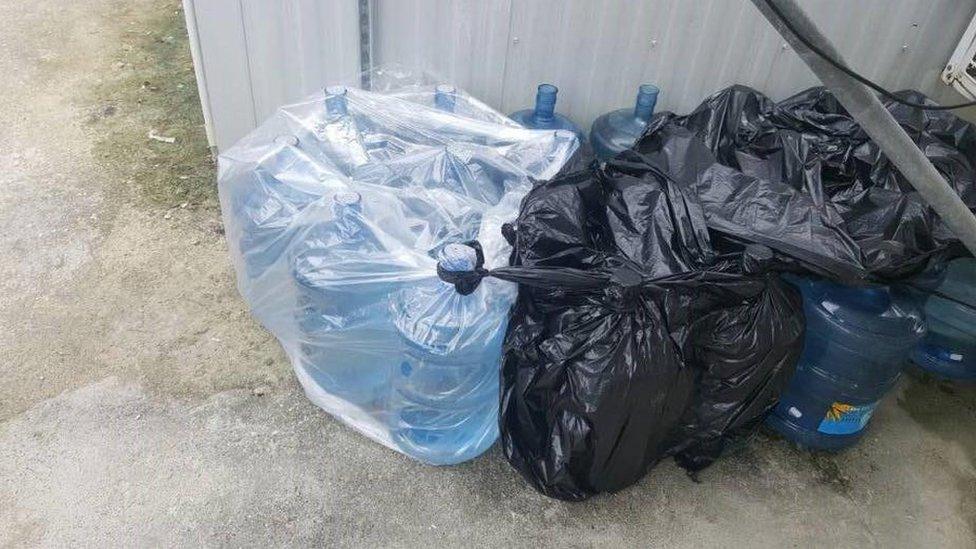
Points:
[(141, 405)]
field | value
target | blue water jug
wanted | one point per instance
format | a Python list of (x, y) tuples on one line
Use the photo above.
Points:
[(618, 130), (949, 347), (544, 115), (343, 305), (266, 200), (446, 387), (857, 340)]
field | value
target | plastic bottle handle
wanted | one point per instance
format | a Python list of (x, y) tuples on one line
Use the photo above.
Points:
[(335, 101)]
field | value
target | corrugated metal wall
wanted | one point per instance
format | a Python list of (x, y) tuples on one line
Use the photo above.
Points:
[(256, 55)]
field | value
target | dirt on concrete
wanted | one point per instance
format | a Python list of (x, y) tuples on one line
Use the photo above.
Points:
[(947, 411), (151, 90), (142, 405), (118, 264)]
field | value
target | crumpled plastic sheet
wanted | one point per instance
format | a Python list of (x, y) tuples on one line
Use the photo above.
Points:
[(802, 177), (337, 213), (409, 84)]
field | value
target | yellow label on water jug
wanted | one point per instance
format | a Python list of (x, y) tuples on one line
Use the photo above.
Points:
[(846, 419)]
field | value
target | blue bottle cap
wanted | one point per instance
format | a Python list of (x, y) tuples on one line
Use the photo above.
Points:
[(458, 257), (346, 207), (286, 140), (335, 100), (545, 102), (346, 202), (646, 101), (347, 198), (445, 97)]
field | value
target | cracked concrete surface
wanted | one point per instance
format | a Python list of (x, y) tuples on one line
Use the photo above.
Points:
[(128, 416)]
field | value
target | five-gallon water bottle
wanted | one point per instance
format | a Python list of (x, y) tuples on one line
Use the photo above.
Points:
[(618, 130), (344, 143), (544, 115), (347, 335), (446, 387), (266, 200), (949, 347), (856, 342)]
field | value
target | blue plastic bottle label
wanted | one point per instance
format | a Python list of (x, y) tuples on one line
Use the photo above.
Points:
[(846, 419)]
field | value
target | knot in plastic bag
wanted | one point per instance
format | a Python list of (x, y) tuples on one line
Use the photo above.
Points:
[(462, 265), (624, 293)]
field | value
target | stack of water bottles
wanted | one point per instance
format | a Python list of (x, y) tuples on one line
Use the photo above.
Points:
[(341, 209)]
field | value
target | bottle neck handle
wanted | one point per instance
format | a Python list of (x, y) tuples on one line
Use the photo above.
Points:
[(646, 101), (545, 103)]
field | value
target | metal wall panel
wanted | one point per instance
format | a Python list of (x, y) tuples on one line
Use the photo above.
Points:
[(226, 89), (691, 49), (463, 39), (257, 55), (267, 53)]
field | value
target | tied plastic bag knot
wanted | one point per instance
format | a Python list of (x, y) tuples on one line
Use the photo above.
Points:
[(625, 290), (464, 277)]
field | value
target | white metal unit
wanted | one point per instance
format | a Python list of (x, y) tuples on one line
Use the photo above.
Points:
[(258, 51), (960, 71)]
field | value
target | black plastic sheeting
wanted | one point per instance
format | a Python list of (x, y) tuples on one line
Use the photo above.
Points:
[(651, 319), (802, 178), (632, 339)]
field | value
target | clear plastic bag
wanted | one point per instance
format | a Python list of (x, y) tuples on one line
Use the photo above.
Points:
[(338, 211), (427, 89)]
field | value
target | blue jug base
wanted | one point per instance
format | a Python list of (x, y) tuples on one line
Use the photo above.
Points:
[(357, 397), (422, 445), (348, 384), (446, 437), (811, 440), (941, 369)]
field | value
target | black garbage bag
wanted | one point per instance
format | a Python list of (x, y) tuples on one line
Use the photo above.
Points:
[(802, 178), (631, 339)]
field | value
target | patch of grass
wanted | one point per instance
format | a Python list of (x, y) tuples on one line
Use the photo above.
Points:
[(151, 87)]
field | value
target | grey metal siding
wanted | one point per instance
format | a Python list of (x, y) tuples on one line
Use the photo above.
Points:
[(263, 54), (259, 54)]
